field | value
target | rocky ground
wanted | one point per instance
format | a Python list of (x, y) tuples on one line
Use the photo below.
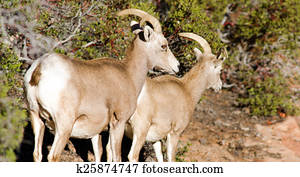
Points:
[(219, 131)]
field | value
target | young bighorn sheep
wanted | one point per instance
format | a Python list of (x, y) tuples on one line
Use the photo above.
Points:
[(166, 103), (80, 98)]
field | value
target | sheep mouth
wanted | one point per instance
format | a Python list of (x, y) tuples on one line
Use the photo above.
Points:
[(158, 69)]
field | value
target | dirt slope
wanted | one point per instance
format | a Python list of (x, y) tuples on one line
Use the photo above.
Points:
[(220, 131)]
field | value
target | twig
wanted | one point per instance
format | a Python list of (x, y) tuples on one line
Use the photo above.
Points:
[(223, 36), (90, 43), (38, 43), (71, 36), (26, 60), (91, 7), (225, 85), (4, 33), (78, 15), (25, 48)]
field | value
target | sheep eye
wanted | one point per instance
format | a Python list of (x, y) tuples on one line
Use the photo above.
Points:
[(164, 47)]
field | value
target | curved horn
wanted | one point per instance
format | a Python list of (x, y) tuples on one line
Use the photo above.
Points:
[(145, 17), (199, 39)]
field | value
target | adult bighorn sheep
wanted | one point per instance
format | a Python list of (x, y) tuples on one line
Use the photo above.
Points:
[(80, 98), (166, 103)]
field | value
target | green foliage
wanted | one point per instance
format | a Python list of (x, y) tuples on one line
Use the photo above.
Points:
[(268, 97), (265, 22), (261, 21), (13, 3), (12, 121), (111, 34), (101, 35), (12, 117), (181, 152), (188, 16), (257, 32), (10, 68)]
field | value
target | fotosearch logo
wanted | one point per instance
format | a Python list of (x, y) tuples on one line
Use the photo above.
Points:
[(180, 169)]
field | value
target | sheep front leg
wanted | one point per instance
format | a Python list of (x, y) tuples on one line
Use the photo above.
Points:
[(116, 132), (97, 147), (137, 143), (172, 141)]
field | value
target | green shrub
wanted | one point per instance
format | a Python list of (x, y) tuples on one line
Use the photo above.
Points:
[(256, 33), (268, 97), (12, 117), (12, 121), (188, 16), (106, 34), (181, 152)]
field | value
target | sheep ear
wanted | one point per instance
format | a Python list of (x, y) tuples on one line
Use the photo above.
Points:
[(148, 31), (198, 53), (135, 27)]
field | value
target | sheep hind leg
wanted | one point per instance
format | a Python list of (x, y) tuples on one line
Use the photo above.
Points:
[(63, 129), (158, 152), (38, 129), (108, 152)]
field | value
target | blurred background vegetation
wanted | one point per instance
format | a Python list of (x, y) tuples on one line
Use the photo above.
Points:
[(261, 36)]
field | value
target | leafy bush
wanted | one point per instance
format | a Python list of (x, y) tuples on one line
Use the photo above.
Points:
[(101, 32), (12, 117), (181, 152), (188, 16), (268, 97), (255, 33)]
